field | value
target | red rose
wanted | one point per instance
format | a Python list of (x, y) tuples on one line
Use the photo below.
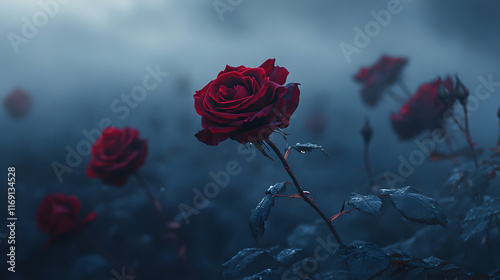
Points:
[(117, 154), (58, 215), (18, 103), (377, 78), (245, 104), (423, 111)]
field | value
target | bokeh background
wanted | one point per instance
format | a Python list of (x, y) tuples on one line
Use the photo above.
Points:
[(91, 52)]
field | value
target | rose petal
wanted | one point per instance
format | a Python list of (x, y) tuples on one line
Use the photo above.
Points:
[(291, 102), (120, 153), (245, 102), (232, 69), (378, 77), (275, 73), (209, 138), (57, 215), (424, 111)]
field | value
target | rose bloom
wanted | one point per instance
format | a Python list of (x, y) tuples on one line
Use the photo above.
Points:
[(245, 104), (58, 215), (117, 154), (17, 103), (424, 110), (377, 78)]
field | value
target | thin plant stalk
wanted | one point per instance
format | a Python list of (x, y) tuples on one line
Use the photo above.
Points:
[(395, 97), (304, 196), (404, 87), (96, 245), (368, 168), (497, 148), (467, 135), (144, 185), (450, 148)]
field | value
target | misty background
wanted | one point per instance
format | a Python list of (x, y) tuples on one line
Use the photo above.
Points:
[(91, 52)]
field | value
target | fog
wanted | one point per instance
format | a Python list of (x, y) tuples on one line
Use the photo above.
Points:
[(85, 55)]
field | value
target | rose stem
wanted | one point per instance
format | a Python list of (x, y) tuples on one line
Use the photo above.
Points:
[(368, 168), (153, 200), (449, 143), (96, 245), (404, 87), (497, 148), (144, 185), (467, 135), (395, 97), (367, 133), (457, 122), (301, 192)]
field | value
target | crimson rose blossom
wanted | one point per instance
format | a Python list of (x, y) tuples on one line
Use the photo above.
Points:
[(377, 78), (117, 154), (423, 111), (17, 103), (58, 215), (245, 104)]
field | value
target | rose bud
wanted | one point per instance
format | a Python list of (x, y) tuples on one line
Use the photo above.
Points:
[(367, 131), (461, 92), (58, 215), (116, 155), (442, 93)]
